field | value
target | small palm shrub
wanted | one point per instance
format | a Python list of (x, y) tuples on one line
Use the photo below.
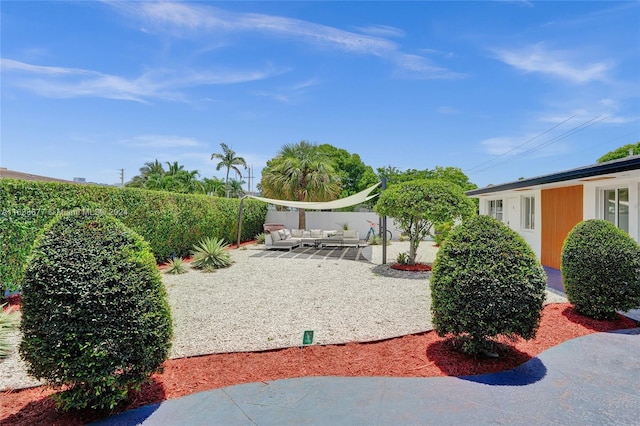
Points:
[(176, 266), (601, 269), (95, 317), (486, 282), (403, 258), (261, 237), (211, 254), (8, 323), (374, 240)]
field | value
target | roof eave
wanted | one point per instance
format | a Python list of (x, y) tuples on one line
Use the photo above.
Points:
[(615, 166)]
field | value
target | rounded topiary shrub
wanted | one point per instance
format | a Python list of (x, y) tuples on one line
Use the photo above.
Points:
[(601, 269), (95, 317), (486, 282)]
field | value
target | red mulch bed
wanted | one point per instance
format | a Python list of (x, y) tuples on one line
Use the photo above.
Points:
[(416, 267), (418, 355)]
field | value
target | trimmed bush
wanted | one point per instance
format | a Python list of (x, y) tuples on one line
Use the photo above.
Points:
[(95, 317), (486, 282), (601, 269)]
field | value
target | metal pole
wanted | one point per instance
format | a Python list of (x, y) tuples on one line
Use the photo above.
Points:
[(383, 228), (240, 219)]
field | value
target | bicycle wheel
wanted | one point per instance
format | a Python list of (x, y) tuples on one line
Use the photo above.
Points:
[(389, 235)]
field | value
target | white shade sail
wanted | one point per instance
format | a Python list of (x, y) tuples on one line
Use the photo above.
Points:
[(351, 200)]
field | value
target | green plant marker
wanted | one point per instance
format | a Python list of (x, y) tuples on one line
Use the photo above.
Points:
[(307, 338)]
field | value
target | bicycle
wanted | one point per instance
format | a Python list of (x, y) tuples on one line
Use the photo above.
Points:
[(372, 232)]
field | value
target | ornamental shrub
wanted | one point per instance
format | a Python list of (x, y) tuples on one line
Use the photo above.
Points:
[(601, 269), (8, 322), (486, 282), (175, 266), (211, 254), (95, 317)]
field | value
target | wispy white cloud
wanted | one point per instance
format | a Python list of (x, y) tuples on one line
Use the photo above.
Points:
[(537, 58), (437, 52), (7, 65), (60, 82), (186, 20), (415, 66), (382, 31), (161, 141), (607, 110), (526, 3), (189, 20), (288, 94), (511, 147), (447, 110), (500, 145)]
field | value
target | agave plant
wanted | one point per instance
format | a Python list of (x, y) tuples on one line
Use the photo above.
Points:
[(8, 322), (211, 254), (261, 237), (176, 266)]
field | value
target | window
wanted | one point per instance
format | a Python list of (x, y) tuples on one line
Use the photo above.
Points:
[(528, 212), (616, 207), (495, 209)]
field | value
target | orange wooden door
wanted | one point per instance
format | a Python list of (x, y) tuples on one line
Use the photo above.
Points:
[(561, 211)]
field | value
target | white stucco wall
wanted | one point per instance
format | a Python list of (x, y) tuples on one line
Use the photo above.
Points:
[(331, 220)]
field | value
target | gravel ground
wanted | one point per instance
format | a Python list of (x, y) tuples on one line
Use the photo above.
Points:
[(266, 300)]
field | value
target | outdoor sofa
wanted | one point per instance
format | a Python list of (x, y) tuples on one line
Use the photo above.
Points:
[(290, 239)]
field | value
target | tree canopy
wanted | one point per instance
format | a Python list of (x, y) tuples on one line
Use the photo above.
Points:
[(355, 176), (449, 174), (417, 205), (300, 172), (621, 152), (230, 161), (175, 178)]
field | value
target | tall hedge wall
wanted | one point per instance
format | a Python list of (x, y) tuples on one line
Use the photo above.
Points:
[(171, 223)]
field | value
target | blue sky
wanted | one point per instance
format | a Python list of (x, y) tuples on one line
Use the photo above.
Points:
[(502, 89)]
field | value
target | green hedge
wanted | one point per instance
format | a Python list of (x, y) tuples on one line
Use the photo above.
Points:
[(171, 223)]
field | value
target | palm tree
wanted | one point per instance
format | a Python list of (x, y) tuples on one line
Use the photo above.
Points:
[(148, 171), (151, 168), (174, 168), (235, 188), (229, 160), (300, 172), (214, 187)]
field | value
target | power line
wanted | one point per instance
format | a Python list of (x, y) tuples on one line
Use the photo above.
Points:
[(565, 135), (595, 120), (522, 144)]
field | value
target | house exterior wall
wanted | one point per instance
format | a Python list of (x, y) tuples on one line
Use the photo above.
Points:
[(592, 206), (513, 218)]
